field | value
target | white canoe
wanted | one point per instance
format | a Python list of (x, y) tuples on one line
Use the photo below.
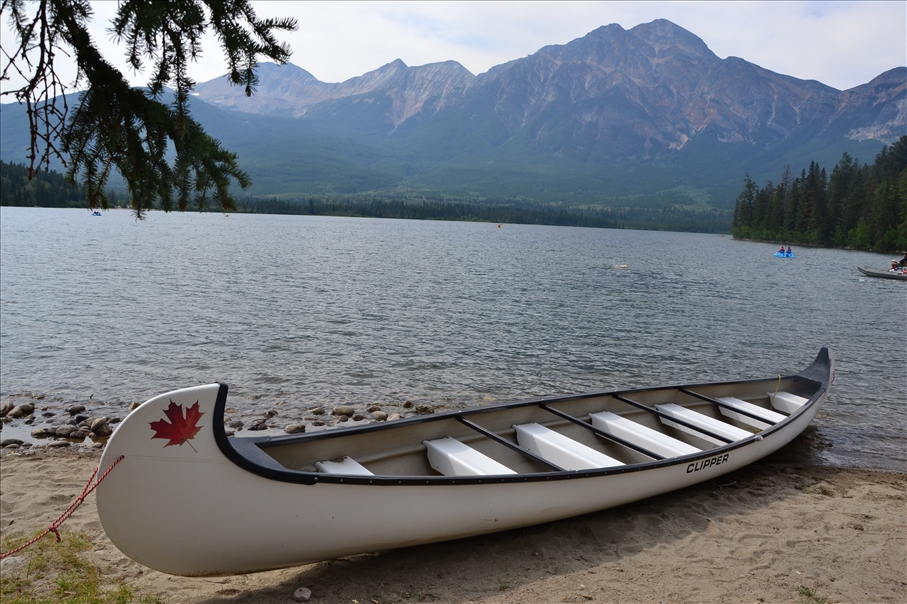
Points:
[(186, 499)]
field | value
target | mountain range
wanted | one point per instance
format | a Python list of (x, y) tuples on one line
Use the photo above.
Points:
[(646, 117)]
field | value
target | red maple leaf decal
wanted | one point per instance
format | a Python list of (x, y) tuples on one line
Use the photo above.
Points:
[(180, 429)]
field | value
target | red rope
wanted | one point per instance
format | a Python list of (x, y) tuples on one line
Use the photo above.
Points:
[(55, 525)]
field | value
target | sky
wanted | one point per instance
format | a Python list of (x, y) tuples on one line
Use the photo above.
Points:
[(841, 44)]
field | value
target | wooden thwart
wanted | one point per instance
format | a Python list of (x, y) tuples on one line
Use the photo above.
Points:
[(744, 412), (347, 465), (629, 443), (653, 440), (450, 457), (701, 425), (560, 450), (681, 424), (787, 402)]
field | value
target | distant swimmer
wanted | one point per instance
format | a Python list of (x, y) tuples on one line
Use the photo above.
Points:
[(500, 226)]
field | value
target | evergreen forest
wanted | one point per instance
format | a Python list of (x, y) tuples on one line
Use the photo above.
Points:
[(49, 189), (861, 207)]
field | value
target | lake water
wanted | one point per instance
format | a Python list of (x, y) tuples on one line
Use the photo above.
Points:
[(295, 312)]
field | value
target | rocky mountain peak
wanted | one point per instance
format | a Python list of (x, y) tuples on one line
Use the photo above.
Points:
[(665, 36), (643, 92)]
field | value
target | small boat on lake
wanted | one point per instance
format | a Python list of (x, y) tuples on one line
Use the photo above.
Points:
[(882, 273), (184, 498)]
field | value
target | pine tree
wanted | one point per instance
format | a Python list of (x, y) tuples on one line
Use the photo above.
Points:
[(116, 126)]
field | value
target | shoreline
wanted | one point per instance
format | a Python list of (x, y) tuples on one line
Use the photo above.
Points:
[(757, 535)]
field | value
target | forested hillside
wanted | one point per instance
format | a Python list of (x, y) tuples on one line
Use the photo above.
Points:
[(48, 189), (858, 206), (492, 210)]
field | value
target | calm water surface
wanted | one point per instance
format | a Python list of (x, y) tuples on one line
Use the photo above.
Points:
[(295, 312)]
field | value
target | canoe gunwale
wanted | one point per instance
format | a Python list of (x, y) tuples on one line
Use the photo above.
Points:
[(248, 454)]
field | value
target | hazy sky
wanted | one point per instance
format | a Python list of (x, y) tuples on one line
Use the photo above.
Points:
[(842, 44)]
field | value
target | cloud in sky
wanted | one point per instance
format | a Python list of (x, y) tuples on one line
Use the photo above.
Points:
[(842, 44)]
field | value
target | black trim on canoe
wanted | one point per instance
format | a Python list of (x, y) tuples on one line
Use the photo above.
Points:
[(247, 452)]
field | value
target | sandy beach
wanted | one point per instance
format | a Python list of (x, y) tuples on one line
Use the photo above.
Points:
[(758, 535)]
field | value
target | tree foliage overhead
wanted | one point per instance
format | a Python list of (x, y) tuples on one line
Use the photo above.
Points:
[(860, 207), (134, 130)]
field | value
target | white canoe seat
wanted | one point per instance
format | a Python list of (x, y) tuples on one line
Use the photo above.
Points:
[(787, 402), (450, 457), (642, 436), (770, 417), (709, 424), (560, 450), (347, 465)]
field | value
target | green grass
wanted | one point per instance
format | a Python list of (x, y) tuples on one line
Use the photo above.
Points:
[(810, 594), (63, 572)]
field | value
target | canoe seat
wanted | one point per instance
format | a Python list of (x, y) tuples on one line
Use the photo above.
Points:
[(560, 450), (450, 457), (770, 418), (347, 465), (710, 424), (642, 436), (787, 402)]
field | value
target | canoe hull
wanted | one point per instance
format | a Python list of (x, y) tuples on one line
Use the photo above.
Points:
[(187, 509)]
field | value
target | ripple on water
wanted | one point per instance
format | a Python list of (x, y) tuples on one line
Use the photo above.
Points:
[(314, 311)]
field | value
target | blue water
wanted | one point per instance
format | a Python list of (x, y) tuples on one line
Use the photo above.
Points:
[(295, 312)]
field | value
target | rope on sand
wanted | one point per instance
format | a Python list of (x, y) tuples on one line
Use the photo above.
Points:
[(55, 525)]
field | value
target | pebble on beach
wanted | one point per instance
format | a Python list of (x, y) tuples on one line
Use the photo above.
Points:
[(73, 424), (303, 594), (65, 430), (21, 411)]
